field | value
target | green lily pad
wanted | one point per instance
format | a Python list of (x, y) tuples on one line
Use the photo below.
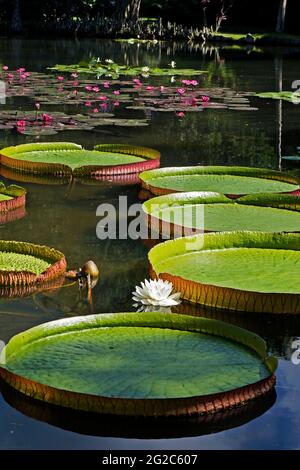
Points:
[(252, 271), (114, 70), (17, 262), (97, 360), (65, 158), (213, 212), (77, 158), (290, 96), (23, 264), (222, 179)]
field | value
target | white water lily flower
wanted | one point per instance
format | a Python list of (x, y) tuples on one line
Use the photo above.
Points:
[(156, 293), (145, 69), (173, 64), (173, 79), (109, 61)]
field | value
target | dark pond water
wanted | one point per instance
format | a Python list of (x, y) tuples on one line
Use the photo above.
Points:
[(65, 218)]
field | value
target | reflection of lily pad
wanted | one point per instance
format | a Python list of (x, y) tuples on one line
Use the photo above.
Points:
[(132, 426), (212, 212), (247, 271), (61, 159), (94, 364), (223, 179)]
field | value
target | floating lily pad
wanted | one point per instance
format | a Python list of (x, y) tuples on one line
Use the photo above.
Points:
[(94, 364), (290, 96), (114, 70), (12, 198), (61, 159), (245, 271), (232, 181), (25, 264), (187, 213)]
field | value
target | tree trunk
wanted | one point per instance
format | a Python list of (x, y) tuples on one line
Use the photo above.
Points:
[(16, 20), (127, 11), (281, 16)]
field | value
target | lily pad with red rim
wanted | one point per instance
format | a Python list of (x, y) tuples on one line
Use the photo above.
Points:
[(181, 214), (94, 364), (66, 159), (244, 271), (25, 264), (231, 181)]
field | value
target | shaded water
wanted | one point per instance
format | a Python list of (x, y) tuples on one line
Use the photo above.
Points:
[(65, 217)]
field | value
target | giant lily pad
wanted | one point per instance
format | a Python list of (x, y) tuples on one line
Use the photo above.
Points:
[(25, 264), (94, 364), (187, 213), (12, 199), (245, 271), (62, 159), (232, 181)]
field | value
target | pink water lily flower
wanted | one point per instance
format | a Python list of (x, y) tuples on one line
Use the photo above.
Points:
[(162, 89), (89, 88), (116, 103), (74, 75), (205, 99), (21, 70), (103, 105), (10, 76), (106, 84), (37, 105), (5, 68), (87, 104), (60, 79), (95, 110), (137, 81), (194, 82), (186, 82), (180, 91), (116, 92), (150, 88), (47, 118), (21, 123), (103, 98), (96, 89), (180, 114)]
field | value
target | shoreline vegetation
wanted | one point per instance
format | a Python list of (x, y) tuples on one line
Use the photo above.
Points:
[(155, 31), (200, 22)]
